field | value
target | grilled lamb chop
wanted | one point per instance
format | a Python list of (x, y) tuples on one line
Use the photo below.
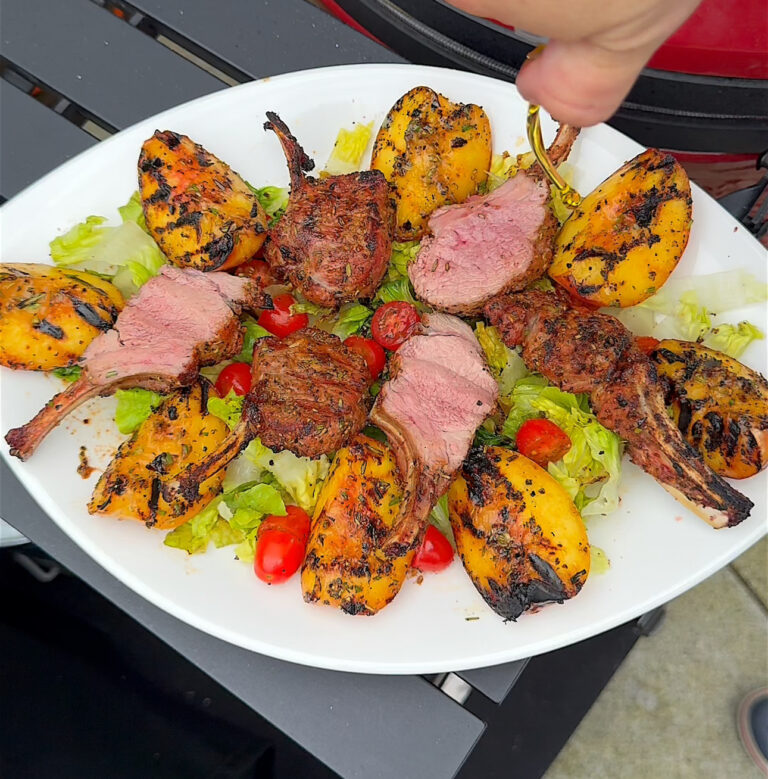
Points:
[(179, 321), (308, 394), (584, 351), (492, 243), (335, 238), (438, 393)]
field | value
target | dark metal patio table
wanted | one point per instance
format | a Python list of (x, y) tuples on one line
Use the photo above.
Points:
[(76, 71)]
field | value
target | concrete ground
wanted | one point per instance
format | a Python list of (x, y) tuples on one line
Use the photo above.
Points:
[(670, 710)]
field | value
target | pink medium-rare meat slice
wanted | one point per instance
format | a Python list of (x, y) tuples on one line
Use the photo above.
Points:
[(179, 321), (584, 351), (491, 243), (334, 240), (485, 246), (439, 392), (175, 324)]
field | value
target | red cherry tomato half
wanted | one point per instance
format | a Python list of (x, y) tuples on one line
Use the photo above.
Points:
[(235, 377), (296, 521), (435, 552), (278, 555), (646, 343), (258, 270), (542, 441), (393, 323), (280, 545), (279, 320), (370, 351)]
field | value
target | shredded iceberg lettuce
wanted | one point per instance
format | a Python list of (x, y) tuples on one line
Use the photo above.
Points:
[(506, 364), (349, 150), (231, 518), (253, 331), (715, 292), (689, 308), (348, 320), (504, 166), (352, 317), (272, 199), (126, 253), (403, 254), (133, 407), (397, 290), (733, 340), (133, 211), (299, 477), (229, 408), (68, 374), (692, 318), (439, 518), (591, 469)]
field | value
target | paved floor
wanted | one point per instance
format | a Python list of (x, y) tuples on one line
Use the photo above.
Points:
[(670, 709)]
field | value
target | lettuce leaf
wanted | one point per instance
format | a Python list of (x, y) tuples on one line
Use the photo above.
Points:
[(504, 166), (348, 150), (591, 468), (126, 253), (599, 562), (692, 318), (194, 535), (351, 319), (439, 518), (403, 254), (133, 407), (733, 340), (494, 348), (133, 211), (300, 478), (506, 364), (245, 508), (272, 199), (68, 374), (348, 320), (715, 292), (229, 408), (302, 306), (231, 518), (686, 308), (253, 331), (397, 290)]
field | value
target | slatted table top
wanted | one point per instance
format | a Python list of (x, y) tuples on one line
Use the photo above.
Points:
[(75, 71)]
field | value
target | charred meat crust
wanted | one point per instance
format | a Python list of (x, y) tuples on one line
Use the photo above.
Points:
[(309, 394), (584, 351), (334, 240)]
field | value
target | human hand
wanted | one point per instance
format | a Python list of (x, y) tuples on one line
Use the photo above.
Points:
[(596, 49)]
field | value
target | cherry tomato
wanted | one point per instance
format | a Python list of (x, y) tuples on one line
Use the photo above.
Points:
[(646, 343), (435, 552), (295, 521), (370, 351), (258, 270), (280, 545), (542, 441), (393, 323), (279, 320), (235, 377)]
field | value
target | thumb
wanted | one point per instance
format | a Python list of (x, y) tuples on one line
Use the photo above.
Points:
[(581, 83)]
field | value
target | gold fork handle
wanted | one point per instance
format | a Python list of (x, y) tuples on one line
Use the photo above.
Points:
[(569, 195)]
